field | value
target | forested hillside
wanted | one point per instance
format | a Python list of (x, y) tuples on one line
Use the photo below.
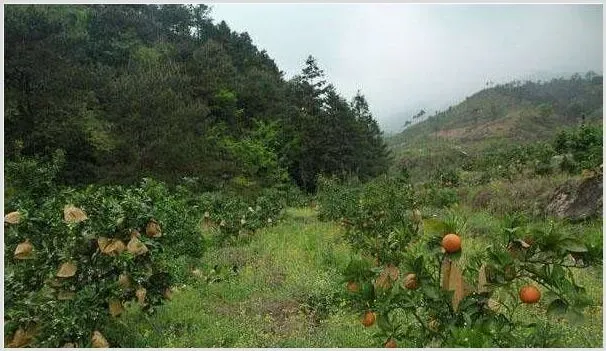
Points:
[(130, 91)]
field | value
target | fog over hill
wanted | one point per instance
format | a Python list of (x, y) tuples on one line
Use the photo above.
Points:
[(396, 122), (407, 57)]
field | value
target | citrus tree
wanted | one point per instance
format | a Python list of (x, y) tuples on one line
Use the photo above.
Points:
[(437, 294), (376, 216), (75, 258)]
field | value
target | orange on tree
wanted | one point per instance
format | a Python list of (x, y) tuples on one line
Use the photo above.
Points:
[(369, 318), (451, 243), (391, 343), (530, 294)]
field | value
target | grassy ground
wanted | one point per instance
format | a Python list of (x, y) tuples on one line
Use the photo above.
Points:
[(282, 295), (281, 288)]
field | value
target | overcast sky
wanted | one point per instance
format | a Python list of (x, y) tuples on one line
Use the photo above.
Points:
[(405, 57)]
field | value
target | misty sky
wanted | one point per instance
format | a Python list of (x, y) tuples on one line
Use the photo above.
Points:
[(405, 57)]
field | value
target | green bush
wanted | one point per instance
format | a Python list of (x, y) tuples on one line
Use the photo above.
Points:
[(35, 299), (32, 178), (448, 178), (435, 196), (229, 217), (68, 309), (377, 215), (337, 200), (584, 143), (44, 310), (424, 302)]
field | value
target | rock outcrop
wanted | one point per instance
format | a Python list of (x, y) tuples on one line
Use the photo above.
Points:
[(577, 200)]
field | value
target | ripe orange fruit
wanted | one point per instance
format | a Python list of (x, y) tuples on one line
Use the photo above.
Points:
[(451, 243), (530, 294), (391, 343), (410, 282), (369, 318), (353, 286)]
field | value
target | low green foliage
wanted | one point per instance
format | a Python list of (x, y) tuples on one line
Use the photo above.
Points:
[(32, 178), (149, 234), (285, 292), (227, 217), (584, 144), (474, 321), (376, 215), (33, 298), (437, 196), (337, 199)]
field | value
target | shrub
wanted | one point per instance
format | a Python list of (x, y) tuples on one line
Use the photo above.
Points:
[(112, 233), (448, 178), (337, 200), (32, 178), (584, 143), (432, 298), (380, 221), (439, 197), (67, 310), (229, 217)]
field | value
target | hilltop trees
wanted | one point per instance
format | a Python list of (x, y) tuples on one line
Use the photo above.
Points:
[(329, 135), (129, 91)]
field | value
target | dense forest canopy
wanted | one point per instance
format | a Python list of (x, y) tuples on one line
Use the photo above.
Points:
[(132, 91)]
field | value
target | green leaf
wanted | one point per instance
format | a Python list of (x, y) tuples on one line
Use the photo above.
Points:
[(557, 274), (572, 245), (417, 265), (557, 307), (574, 316), (467, 318), (430, 292), (383, 322), (455, 256)]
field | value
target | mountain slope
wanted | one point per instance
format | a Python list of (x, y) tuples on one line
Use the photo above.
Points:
[(516, 112)]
